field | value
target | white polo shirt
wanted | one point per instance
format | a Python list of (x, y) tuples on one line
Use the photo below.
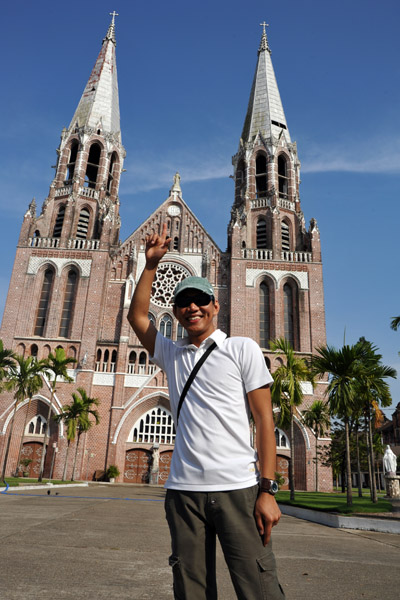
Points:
[(212, 445)]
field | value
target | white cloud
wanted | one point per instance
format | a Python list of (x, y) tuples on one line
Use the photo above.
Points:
[(153, 173), (363, 156)]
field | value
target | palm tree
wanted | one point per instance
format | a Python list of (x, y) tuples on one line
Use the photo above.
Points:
[(70, 414), (317, 419), (34, 382), (372, 390), (6, 362), (287, 393), (56, 364), (84, 422), (342, 366), (395, 323), (24, 377)]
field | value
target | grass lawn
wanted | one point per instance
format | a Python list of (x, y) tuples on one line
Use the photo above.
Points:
[(16, 481), (335, 502)]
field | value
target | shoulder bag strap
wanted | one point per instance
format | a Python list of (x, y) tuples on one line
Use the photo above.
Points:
[(192, 376)]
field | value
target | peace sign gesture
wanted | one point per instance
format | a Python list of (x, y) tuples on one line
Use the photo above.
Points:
[(156, 247)]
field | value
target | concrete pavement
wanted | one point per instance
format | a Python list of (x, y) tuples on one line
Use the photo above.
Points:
[(112, 542)]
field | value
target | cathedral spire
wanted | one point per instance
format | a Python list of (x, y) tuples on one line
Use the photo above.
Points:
[(265, 111), (98, 107)]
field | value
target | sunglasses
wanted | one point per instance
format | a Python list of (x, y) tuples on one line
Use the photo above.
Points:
[(200, 299)]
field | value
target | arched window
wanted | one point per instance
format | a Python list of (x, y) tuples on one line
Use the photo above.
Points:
[(261, 233), (21, 350), (98, 359), (59, 222), (44, 302), (176, 243), (240, 180), (261, 176), (282, 440), (72, 161), (131, 363), (113, 361), (285, 236), (83, 224), (264, 315), (142, 363), (111, 170), (105, 360), (34, 351), (291, 319), (36, 426), (69, 303), (154, 426), (181, 332), (166, 326), (152, 319), (92, 167), (282, 177)]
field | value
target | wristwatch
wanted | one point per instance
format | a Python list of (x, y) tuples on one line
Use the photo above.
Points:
[(268, 485)]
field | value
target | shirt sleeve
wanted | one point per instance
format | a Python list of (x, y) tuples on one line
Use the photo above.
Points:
[(163, 349), (255, 372)]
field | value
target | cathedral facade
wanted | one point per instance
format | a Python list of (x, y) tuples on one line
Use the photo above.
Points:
[(73, 280)]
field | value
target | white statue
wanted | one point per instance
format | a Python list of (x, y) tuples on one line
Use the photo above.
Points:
[(389, 461)]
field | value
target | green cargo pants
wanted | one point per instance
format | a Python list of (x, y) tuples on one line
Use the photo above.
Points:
[(195, 519)]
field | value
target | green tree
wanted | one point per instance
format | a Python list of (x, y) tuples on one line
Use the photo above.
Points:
[(24, 376), (56, 364), (372, 390), (34, 382), (287, 393), (6, 362), (71, 414), (395, 323), (342, 365), (84, 422), (317, 419)]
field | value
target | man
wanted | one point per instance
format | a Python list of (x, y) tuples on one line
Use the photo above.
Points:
[(213, 487)]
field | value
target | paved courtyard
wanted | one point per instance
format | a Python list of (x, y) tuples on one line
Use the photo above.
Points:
[(111, 542)]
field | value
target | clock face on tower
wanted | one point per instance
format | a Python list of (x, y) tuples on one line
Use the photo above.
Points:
[(174, 210)]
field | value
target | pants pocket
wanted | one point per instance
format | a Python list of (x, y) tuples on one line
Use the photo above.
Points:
[(179, 591), (270, 586)]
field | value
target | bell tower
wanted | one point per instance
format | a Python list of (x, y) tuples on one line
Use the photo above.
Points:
[(275, 260), (81, 210), (64, 252)]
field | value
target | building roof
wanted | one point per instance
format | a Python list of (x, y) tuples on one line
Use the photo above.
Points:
[(265, 111), (99, 104)]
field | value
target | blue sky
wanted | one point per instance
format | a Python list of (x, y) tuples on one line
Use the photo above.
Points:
[(185, 71)]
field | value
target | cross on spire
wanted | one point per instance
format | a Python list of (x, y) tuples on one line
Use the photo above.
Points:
[(264, 41), (114, 14)]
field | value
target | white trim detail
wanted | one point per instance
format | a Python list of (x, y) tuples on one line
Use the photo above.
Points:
[(300, 276), (307, 388), (35, 262), (132, 407)]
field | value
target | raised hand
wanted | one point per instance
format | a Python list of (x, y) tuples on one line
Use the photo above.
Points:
[(156, 247)]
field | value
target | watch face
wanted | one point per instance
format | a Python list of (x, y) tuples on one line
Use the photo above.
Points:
[(174, 210), (274, 487)]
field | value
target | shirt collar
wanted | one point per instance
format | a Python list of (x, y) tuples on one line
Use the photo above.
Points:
[(217, 336)]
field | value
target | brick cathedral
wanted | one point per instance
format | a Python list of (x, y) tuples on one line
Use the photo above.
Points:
[(73, 279)]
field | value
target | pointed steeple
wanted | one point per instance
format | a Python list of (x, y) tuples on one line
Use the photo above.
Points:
[(99, 104), (265, 111)]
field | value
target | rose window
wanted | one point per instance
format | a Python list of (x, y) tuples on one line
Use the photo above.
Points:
[(167, 277)]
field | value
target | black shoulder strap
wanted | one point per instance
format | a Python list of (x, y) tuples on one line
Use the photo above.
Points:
[(192, 376)]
